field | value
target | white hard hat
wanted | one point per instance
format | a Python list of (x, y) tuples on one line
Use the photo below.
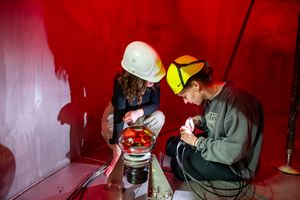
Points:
[(141, 60)]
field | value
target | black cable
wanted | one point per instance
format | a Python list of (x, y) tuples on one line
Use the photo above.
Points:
[(83, 186), (237, 172), (205, 186), (82, 193)]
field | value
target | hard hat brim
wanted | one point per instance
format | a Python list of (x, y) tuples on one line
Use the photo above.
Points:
[(156, 78)]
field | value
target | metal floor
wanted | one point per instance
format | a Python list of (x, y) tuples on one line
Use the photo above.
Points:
[(269, 182)]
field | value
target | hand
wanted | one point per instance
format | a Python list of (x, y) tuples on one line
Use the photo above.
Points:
[(132, 116), (116, 155), (189, 123), (198, 120), (187, 136)]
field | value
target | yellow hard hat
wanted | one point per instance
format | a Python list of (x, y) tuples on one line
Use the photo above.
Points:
[(181, 70)]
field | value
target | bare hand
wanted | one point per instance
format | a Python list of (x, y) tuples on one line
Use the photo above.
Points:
[(132, 116), (197, 119)]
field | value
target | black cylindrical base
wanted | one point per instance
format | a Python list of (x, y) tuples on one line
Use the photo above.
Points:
[(136, 175)]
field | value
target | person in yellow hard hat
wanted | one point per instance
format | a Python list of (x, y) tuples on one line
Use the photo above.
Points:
[(232, 120), (136, 96)]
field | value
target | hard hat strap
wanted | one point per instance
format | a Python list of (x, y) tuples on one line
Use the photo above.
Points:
[(179, 65), (180, 75)]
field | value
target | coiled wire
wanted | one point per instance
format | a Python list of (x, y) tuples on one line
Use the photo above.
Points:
[(243, 184)]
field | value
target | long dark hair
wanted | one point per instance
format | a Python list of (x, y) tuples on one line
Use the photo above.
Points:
[(133, 86)]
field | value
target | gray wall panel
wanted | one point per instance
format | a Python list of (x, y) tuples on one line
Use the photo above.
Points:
[(30, 99)]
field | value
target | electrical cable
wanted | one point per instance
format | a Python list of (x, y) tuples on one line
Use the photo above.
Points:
[(83, 186), (216, 188), (241, 184), (204, 185)]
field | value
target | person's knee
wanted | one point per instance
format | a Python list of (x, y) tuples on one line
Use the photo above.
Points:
[(160, 118), (106, 135), (155, 121), (171, 146)]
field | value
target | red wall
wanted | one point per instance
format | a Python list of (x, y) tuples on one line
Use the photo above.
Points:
[(87, 39), (43, 42)]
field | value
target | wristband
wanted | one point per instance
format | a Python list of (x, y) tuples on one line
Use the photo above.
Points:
[(195, 142)]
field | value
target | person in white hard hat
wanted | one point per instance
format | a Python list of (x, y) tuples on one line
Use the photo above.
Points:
[(136, 96)]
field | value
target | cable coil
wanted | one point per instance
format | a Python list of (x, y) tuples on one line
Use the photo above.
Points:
[(243, 184)]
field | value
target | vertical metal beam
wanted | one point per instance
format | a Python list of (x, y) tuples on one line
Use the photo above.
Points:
[(294, 106), (237, 42)]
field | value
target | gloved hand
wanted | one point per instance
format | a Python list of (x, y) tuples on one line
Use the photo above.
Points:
[(189, 123), (187, 135), (116, 155), (132, 116), (185, 130)]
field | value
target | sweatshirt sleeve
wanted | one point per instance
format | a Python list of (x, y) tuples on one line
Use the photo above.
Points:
[(230, 143)]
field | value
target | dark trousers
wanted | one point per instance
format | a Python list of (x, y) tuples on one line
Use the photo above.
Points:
[(195, 165)]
